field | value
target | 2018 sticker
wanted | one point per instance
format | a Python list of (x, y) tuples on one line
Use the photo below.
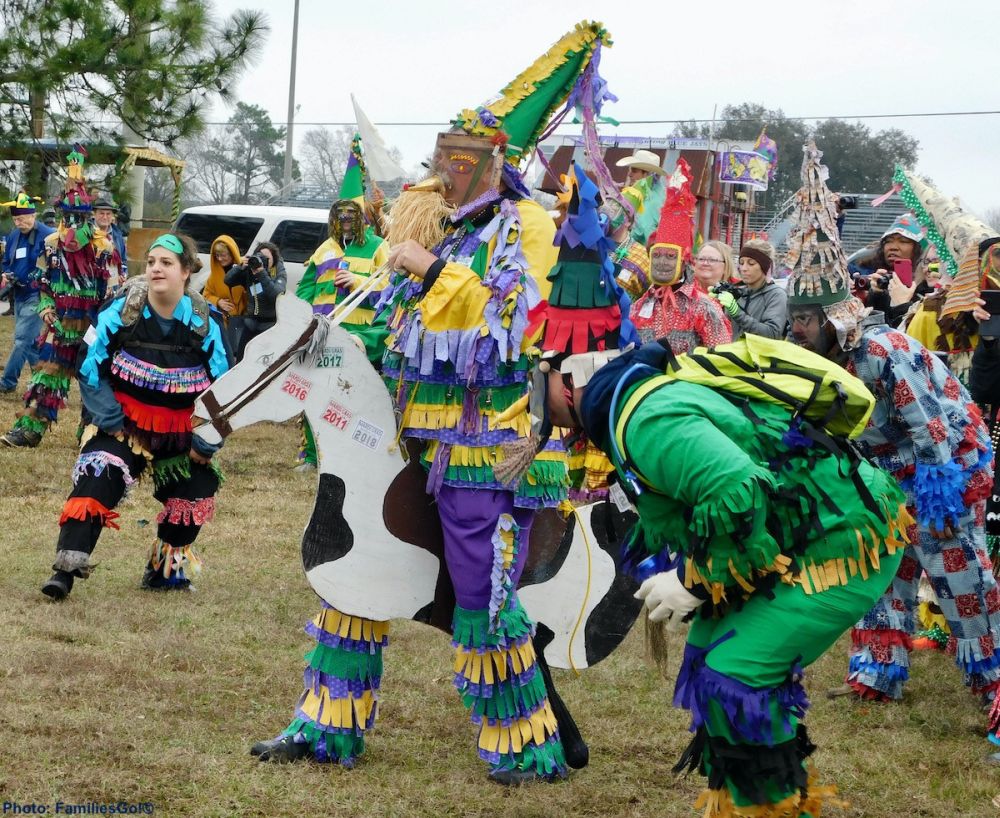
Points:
[(367, 434), (330, 358), (297, 386), (337, 416)]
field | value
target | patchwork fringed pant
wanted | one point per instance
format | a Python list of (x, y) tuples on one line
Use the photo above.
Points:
[(495, 668), (961, 575), (56, 366), (105, 471), (741, 678)]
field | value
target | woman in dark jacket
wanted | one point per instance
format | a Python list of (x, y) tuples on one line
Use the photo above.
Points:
[(263, 275)]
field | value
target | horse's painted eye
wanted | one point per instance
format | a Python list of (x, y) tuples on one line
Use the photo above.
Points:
[(461, 166)]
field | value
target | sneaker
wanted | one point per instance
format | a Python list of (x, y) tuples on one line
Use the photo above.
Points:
[(21, 438), (58, 586), (280, 750), (304, 468)]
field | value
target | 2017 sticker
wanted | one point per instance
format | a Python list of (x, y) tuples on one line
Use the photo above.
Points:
[(367, 434), (297, 386), (337, 416), (330, 358)]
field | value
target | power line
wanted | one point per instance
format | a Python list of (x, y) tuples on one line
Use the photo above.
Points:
[(652, 121)]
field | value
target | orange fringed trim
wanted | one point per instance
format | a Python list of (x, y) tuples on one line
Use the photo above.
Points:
[(85, 508), (719, 803), (155, 418)]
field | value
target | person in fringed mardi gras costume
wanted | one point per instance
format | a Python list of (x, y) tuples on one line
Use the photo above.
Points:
[(151, 352), (789, 546), (672, 308), (73, 275), (352, 253), (453, 331), (925, 431)]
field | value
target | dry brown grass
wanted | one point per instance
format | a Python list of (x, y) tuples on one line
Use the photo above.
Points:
[(118, 694)]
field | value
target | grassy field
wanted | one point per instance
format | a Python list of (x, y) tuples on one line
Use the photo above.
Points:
[(122, 695)]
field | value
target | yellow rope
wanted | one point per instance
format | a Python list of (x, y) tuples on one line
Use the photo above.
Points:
[(586, 596)]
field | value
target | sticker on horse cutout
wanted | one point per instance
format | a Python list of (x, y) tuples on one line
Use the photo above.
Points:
[(330, 358), (337, 416), (367, 434), (296, 386)]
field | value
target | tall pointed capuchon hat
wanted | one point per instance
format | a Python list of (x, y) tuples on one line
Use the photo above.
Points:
[(815, 256), (354, 184)]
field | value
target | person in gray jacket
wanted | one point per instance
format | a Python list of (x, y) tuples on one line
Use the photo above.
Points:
[(760, 308)]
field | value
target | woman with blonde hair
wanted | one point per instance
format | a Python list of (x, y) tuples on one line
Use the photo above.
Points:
[(714, 263)]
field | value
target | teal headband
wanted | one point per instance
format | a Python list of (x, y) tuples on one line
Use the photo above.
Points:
[(171, 242)]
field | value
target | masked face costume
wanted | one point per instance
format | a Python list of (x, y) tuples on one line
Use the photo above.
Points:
[(362, 255), (925, 431), (748, 526), (456, 362), (73, 275)]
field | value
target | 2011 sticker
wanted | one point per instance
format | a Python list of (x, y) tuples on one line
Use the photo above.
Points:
[(297, 386), (367, 434), (337, 415)]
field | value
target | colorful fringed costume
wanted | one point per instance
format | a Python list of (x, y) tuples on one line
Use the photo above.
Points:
[(73, 279), (140, 376), (929, 434), (789, 547), (455, 359)]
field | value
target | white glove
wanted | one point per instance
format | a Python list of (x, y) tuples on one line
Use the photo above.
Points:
[(667, 599)]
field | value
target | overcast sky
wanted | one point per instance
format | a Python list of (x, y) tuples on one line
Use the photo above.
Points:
[(424, 60)]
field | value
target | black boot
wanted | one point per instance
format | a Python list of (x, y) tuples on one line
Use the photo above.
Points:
[(280, 750), (58, 585)]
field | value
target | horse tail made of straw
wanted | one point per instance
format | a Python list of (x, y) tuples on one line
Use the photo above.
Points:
[(420, 213)]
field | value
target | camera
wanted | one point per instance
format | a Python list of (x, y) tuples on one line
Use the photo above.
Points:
[(847, 202), (736, 290), (255, 262)]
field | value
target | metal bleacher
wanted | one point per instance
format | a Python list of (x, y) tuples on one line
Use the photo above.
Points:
[(862, 226)]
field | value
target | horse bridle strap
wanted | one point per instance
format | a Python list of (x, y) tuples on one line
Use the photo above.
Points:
[(219, 414)]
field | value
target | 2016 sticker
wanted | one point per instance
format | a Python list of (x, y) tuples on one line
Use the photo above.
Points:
[(337, 416), (367, 434), (296, 386), (330, 358)]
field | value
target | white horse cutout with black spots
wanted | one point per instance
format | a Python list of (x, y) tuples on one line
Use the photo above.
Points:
[(372, 547)]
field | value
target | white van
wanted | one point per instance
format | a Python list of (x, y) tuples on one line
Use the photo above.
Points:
[(297, 231)]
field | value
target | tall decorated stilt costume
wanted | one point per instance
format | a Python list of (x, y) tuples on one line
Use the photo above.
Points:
[(456, 360), (73, 276), (772, 569), (355, 247)]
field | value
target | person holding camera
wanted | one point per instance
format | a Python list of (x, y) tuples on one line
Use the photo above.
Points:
[(23, 246), (758, 306), (262, 275), (903, 241)]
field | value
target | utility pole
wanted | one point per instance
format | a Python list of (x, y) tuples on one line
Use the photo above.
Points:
[(286, 179)]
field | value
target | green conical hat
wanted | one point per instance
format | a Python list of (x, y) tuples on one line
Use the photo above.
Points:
[(353, 184), (815, 256), (522, 109)]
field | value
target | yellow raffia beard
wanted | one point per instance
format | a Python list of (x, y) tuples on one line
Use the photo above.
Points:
[(420, 214)]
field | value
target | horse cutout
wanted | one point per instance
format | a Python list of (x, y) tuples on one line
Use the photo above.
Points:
[(373, 545)]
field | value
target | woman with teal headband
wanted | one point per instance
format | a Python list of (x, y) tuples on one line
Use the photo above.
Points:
[(151, 352)]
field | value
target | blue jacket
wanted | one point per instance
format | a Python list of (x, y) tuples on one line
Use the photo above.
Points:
[(118, 239), (22, 267)]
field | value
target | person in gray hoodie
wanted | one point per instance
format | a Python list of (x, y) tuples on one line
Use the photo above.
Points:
[(760, 307)]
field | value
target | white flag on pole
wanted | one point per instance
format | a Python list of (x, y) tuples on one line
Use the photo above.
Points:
[(381, 166)]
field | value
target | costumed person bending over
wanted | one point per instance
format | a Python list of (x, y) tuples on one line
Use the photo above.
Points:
[(151, 352), (929, 435), (672, 309), (455, 360), (342, 263), (790, 548)]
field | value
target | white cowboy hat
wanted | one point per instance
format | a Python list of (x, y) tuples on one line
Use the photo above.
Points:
[(642, 160)]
